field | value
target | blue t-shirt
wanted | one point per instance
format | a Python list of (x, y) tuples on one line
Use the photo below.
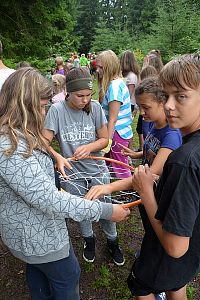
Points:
[(118, 91), (146, 126), (165, 137)]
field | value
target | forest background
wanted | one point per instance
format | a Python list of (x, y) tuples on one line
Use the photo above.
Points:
[(39, 30)]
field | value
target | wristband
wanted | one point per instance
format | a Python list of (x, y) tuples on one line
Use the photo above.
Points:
[(107, 148)]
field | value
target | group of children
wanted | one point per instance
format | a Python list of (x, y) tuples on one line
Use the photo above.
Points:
[(76, 61), (34, 210), (88, 61)]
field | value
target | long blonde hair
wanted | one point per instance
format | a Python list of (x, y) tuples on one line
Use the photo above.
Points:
[(111, 69), (20, 108)]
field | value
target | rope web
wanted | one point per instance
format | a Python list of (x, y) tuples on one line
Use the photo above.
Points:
[(81, 178)]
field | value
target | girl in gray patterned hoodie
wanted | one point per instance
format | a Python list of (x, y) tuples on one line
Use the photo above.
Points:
[(32, 210)]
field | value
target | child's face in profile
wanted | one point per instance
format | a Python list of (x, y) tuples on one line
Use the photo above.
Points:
[(182, 108), (43, 106), (99, 69), (150, 108)]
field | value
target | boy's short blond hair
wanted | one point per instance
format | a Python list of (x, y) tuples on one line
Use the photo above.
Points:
[(182, 72)]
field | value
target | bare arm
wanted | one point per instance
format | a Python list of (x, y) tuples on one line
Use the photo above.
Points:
[(128, 152), (49, 135), (106, 189), (175, 246), (114, 108), (159, 161), (61, 162), (131, 88)]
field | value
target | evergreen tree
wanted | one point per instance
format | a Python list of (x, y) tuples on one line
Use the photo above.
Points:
[(140, 15), (36, 28), (176, 29), (116, 38), (88, 17)]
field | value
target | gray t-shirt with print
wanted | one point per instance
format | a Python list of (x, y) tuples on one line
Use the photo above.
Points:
[(74, 128)]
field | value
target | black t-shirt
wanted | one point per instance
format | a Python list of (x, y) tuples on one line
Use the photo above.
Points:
[(178, 197)]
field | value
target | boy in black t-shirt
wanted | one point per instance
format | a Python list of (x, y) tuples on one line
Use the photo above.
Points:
[(170, 255)]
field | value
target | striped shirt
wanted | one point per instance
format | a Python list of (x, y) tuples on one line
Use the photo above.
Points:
[(118, 91)]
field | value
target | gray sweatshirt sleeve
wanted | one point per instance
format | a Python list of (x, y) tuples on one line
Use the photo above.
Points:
[(32, 184)]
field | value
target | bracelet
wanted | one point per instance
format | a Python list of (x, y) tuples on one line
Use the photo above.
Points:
[(107, 148)]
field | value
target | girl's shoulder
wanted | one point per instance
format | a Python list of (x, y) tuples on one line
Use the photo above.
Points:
[(59, 105), (131, 78), (168, 137), (117, 83), (131, 74), (5, 143), (95, 103), (164, 130), (173, 131), (58, 97), (95, 106)]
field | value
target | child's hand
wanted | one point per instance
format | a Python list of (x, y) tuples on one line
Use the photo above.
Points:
[(119, 213), (155, 178), (82, 152), (143, 180), (60, 165), (126, 151), (98, 191)]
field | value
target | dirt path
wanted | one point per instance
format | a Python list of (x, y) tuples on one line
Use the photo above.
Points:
[(99, 281)]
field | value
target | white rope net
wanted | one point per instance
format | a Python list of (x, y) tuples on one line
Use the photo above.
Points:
[(81, 179)]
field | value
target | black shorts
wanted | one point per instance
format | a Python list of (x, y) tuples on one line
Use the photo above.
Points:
[(139, 125), (138, 288)]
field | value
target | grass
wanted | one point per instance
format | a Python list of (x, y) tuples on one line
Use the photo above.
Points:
[(104, 278), (88, 267), (115, 287), (190, 292)]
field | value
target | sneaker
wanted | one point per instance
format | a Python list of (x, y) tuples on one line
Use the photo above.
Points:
[(116, 252), (161, 296), (89, 249)]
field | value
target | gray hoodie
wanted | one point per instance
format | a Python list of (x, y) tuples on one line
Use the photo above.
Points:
[(33, 211)]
